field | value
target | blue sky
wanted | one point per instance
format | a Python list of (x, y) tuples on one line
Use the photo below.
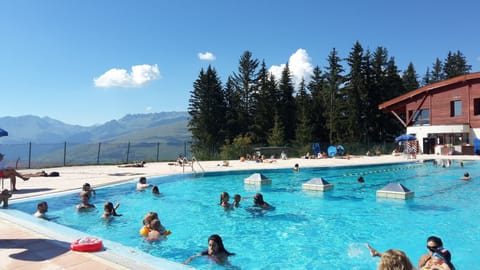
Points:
[(87, 62)]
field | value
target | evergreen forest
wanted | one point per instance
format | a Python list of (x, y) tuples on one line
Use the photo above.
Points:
[(337, 105)]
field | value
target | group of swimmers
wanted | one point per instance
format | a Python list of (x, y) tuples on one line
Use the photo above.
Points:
[(257, 201), (437, 258), (216, 250)]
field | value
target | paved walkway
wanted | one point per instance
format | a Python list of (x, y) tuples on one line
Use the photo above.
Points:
[(23, 245)]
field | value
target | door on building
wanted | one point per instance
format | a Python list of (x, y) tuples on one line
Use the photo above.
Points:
[(429, 145)]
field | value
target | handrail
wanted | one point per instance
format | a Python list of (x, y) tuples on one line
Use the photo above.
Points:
[(200, 165)]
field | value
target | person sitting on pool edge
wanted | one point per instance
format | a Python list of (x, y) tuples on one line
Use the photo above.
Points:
[(215, 251), (8, 172)]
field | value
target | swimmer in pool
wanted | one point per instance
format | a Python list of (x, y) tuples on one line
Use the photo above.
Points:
[(224, 200), (236, 200), (259, 202), (215, 250), (157, 230), (109, 210), (466, 176), (142, 184), (85, 204)]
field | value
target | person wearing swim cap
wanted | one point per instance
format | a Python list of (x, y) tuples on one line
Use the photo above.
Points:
[(440, 260)]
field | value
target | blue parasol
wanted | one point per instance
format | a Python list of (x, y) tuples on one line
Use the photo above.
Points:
[(316, 148), (332, 151), (405, 137), (3, 132)]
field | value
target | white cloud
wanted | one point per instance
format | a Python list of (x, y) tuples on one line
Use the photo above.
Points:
[(138, 77), (300, 66), (149, 108), (208, 56)]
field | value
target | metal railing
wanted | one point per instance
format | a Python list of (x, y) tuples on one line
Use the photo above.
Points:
[(31, 155), (194, 160)]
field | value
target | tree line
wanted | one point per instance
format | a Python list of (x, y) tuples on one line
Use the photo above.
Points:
[(334, 106)]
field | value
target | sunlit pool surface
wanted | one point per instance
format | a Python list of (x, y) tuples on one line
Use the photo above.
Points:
[(307, 230)]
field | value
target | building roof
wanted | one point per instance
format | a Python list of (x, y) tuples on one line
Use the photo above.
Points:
[(387, 105)]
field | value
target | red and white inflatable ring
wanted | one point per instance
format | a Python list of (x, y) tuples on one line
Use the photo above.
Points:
[(87, 244)]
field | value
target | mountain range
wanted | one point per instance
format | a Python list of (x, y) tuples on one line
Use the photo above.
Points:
[(163, 127)]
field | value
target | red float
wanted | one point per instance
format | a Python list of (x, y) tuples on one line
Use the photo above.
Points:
[(87, 244)]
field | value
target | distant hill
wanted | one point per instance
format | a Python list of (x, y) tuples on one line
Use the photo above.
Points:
[(152, 127)]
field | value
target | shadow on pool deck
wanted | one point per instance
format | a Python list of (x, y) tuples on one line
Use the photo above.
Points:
[(31, 190), (33, 249)]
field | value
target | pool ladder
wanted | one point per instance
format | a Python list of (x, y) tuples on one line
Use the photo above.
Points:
[(196, 174)]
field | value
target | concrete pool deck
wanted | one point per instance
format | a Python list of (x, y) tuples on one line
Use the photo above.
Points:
[(23, 245)]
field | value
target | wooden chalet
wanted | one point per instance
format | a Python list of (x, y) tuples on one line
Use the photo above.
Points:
[(444, 116)]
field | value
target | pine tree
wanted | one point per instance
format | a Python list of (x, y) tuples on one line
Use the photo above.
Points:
[(333, 79), (263, 118), (286, 109), (426, 77), (355, 91), (207, 110), (316, 87), (437, 72), (393, 86), (232, 100), (376, 93), (455, 65), (245, 85), (276, 135), (304, 128), (409, 78)]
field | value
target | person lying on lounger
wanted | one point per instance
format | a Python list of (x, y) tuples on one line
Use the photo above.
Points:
[(135, 165)]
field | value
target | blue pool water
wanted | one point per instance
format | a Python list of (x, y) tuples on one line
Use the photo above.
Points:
[(307, 230)]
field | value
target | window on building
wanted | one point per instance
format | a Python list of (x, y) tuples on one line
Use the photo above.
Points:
[(421, 118), (476, 106), (455, 108)]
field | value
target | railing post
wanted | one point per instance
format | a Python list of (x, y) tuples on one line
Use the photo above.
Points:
[(98, 153), (29, 154), (128, 151), (158, 150), (184, 149), (65, 154)]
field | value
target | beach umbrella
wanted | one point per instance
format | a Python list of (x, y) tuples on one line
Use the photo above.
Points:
[(332, 151), (316, 148), (3, 132), (340, 150), (405, 137)]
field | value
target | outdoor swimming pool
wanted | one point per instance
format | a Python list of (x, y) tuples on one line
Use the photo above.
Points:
[(307, 230)]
